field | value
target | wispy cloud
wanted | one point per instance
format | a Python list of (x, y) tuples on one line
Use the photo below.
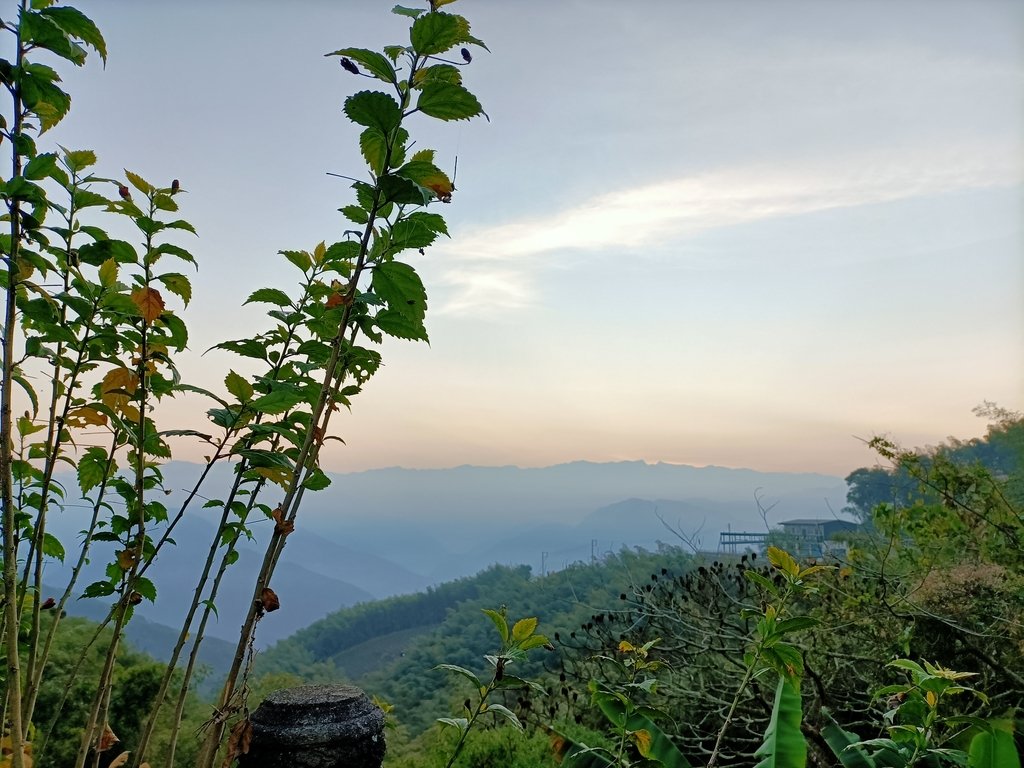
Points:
[(496, 267)]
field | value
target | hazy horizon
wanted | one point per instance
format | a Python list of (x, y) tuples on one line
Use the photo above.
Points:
[(734, 234)]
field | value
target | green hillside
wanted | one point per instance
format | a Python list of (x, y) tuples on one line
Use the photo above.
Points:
[(390, 647)]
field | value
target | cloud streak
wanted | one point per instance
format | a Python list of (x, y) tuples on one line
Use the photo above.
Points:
[(495, 268)]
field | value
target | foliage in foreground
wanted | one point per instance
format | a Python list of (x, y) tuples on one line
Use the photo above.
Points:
[(92, 327)]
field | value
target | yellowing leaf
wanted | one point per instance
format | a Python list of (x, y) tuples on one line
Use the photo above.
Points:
[(783, 561), (277, 475), (120, 378), (523, 629), (149, 302), (80, 417), (319, 252), (108, 273), (120, 760), (126, 559), (130, 412), (932, 699), (643, 740), (626, 647)]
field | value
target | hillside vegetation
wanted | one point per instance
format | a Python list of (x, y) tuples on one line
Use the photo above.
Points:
[(935, 577)]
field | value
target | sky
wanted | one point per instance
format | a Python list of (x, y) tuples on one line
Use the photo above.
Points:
[(742, 233)]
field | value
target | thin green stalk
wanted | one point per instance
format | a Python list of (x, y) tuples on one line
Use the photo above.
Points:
[(18, 726)]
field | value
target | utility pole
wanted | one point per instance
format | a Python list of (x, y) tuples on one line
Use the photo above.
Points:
[(543, 563), (593, 550)]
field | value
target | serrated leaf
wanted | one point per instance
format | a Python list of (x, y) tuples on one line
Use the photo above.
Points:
[(269, 296), (277, 401), (138, 182), (40, 166), (355, 214), (439, 73), (398, 284), (177, 284), (435, 33), (78, 26), (374, 63), (300, 259), (448, 101), (80, 159), (374, 110), (238, 386), (400, 326), (52, 547), (374, 147), (416, 231), (146, 588), (149, 302), (108, 273), (317, 480)]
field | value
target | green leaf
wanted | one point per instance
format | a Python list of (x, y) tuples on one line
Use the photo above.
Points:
[(52, 547), (439, 73), (505, 712), (146, 588), (355, 214), (277, 401), (399, 285), (418, 230), (447, 101), (462, 671), (403, 191), (245, 348), (269, 296), (238, 386), (374, 63), (401, 10), (181, 224), (93, 468), (40, 166), (460, 723), (138, 182), (300, 259), (844, 746), (79, 159), (177, 284), (796, 624), (661, 747), (994, 750), (499, 623), (434, 33), (784, 745), (374, 110), (374, 146), (79, 26), (317, 480)]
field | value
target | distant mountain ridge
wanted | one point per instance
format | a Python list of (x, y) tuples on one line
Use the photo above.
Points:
[(385, 532)]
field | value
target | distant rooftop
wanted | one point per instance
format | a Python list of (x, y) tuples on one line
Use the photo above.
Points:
[(814, 521)]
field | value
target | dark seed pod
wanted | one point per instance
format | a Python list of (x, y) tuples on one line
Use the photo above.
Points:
[(349, 66), (466, 55), (123, 191), (175, 186)]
